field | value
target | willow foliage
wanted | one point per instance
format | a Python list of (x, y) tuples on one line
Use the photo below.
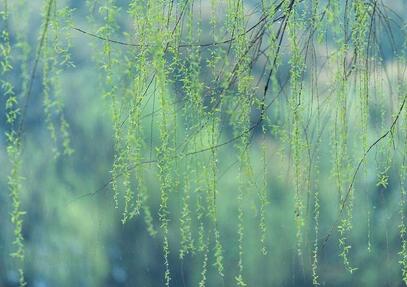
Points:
[(200, 89)]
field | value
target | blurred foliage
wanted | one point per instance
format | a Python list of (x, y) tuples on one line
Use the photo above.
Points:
[(133, 129)]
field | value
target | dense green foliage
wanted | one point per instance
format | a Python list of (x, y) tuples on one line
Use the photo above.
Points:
[(241, 143)]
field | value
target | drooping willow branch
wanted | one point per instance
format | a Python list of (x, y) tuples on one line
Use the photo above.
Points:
[(362, 159), (27, 97), (203, 45)]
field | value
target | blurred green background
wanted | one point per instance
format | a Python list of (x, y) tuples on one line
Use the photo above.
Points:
[(75, 238)]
